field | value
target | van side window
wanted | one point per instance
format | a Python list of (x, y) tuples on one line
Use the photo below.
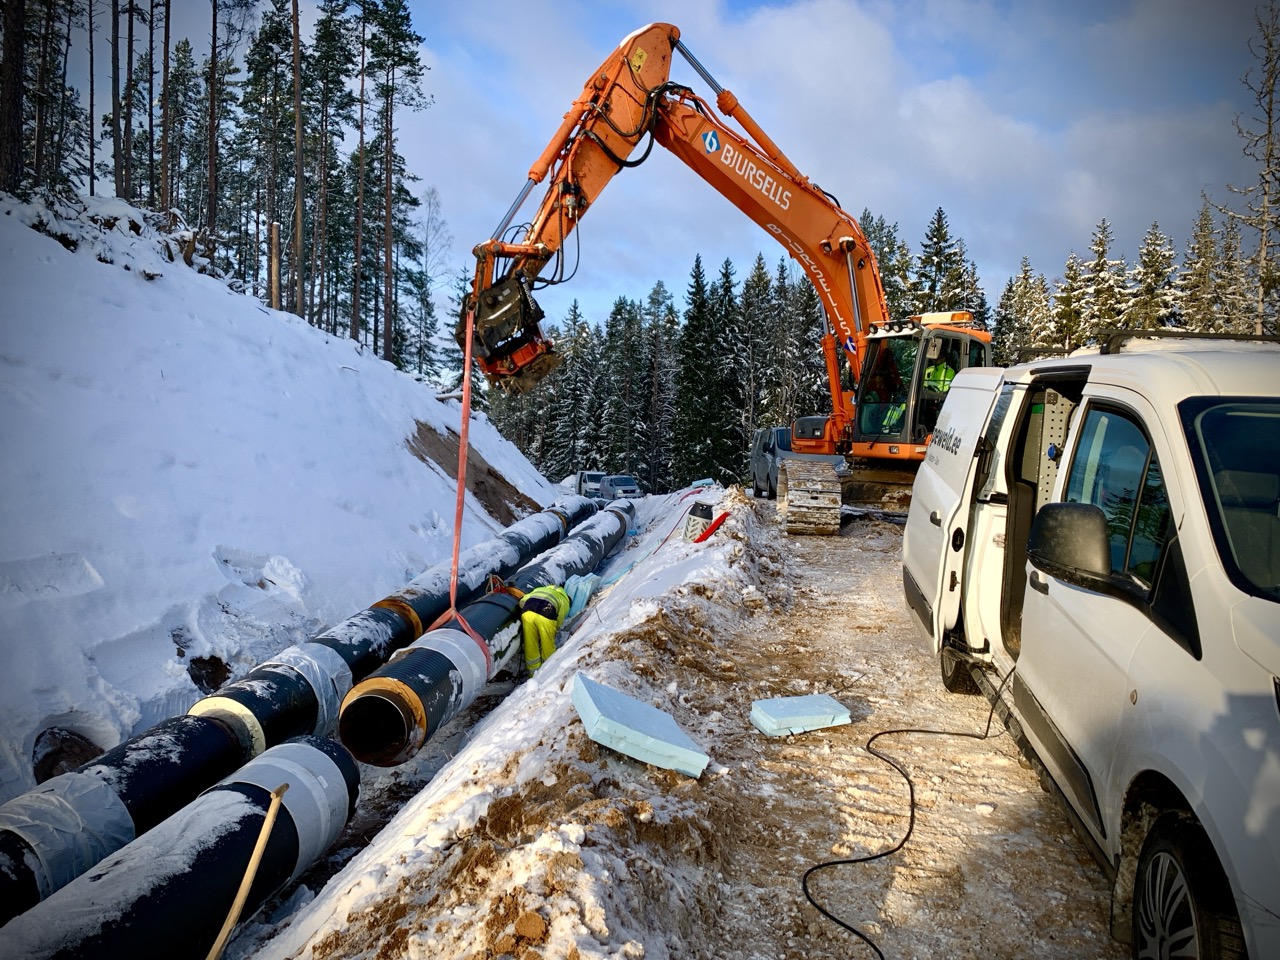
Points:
[(1116, 469)]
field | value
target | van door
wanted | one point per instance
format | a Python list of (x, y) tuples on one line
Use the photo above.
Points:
[(933, 547)]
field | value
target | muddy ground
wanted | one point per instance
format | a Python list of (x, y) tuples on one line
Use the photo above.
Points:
[(663, 865)]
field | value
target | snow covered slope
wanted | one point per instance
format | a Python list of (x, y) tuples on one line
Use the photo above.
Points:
[(191, 482)]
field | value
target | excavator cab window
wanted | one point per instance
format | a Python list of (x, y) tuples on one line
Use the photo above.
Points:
[(882, 405)]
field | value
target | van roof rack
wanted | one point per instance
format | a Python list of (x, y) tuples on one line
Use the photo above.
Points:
[(1116, 338)]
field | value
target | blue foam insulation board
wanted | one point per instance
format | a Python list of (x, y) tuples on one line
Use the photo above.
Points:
[(642, 732), (785, 715)]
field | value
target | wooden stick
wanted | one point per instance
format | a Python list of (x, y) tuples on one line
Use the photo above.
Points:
[(252, 871)]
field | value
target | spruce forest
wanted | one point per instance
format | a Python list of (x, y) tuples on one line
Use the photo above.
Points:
[(272, 141)]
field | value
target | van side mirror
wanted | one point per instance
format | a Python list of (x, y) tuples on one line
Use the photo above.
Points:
[(1070, 541)]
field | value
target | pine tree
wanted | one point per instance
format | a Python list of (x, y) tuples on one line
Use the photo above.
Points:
[(694, 454), (625, 389), (1197, 281), (1069, 306), (973, 298), (729, 442), (759, 314), (332, 68), (893, 257), (1233, 284), (1105, 294), (662, 333), (1153, 301), (1023, 316), (940, 280), (1262, 145), (12, 84), (1009, 335), (394, 59)]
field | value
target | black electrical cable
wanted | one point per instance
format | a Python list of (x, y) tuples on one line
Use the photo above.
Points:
[(911, 822)]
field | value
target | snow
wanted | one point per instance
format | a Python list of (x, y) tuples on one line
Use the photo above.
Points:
[(190, 475)]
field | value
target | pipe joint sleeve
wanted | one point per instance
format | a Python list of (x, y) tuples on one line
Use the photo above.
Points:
[(317, 798), (71, 822), (328, 674)]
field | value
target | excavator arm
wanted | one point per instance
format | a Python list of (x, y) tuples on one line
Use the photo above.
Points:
[(630, 99)]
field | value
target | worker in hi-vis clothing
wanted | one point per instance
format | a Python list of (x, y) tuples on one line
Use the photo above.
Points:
[(542, 611)]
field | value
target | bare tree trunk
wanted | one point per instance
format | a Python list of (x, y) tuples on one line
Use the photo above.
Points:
[(297, 164), (117, 155), (93, 119), (151, 106), (166, 188), (11, 77), (273, 266), (211, 213), (128, 108), (60, 148), (42, 97), (388, 234), (355, 288)]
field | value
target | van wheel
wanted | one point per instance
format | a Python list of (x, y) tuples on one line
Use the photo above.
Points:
[(955, 672), (773, 490), (1182, 902), (755, 488)]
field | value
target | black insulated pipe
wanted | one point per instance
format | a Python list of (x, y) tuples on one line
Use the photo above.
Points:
[(54, 833), (388, 717), (171, 891), (299, 691), (582, 551)]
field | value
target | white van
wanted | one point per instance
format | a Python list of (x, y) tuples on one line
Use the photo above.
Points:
[(1095, 540), (587, 483)]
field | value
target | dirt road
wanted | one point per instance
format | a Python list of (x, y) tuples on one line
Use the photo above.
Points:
[(597, 855)]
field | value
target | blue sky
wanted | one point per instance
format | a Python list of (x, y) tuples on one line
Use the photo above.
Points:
[(1027, 122)]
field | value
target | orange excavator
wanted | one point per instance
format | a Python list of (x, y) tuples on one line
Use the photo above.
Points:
[(629, 100)]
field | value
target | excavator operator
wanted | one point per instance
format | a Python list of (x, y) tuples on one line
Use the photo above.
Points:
[(543, 610)]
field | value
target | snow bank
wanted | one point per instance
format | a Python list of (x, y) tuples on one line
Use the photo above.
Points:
[(188, 475)]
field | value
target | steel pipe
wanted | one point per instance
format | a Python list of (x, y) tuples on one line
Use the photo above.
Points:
[(171, 890), (298, 692), (54, 833), (389, 716)]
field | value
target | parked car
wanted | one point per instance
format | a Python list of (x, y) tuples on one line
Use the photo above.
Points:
[(769, 447), (587, 483), (1095, 540), (619, 486), (764, 459)]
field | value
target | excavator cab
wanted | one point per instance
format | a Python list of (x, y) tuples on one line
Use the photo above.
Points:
[(907, 370), (507, 340)]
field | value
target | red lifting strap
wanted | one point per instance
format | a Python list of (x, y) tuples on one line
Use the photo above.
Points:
[(463, 431)]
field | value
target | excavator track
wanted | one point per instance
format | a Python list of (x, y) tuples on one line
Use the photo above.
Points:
[(809, 497)]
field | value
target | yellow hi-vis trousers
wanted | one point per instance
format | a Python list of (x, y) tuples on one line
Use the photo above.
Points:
[(539, 638)]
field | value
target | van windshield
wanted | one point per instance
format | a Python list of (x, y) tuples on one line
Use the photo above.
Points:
[(1234, 444)]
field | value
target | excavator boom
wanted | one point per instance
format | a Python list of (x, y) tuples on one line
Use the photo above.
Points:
[(630, 98), (630, 101)]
